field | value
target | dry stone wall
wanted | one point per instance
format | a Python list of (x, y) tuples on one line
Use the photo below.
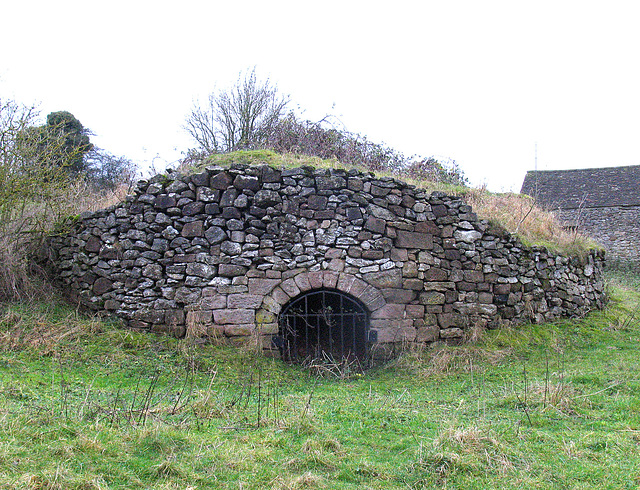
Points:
[(220, 252)]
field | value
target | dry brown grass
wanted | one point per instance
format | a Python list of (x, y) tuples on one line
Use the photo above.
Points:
[(520, 215), (441, 359), (22, 233), (37, 331)]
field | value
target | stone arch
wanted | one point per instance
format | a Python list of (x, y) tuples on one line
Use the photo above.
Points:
[(324, 324), (278, 293)]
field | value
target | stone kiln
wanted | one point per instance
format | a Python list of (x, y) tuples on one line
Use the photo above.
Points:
[(240, 251)]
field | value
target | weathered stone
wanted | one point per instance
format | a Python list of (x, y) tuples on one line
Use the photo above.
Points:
[(187, 295), (415, 284), (239, 330), (467, 236), (153, 271), (221, 181), (317, 202), (215, 235), (375, 225), (102, 285), (94, 244), (264, 198), (250, 182), (427, 333), (435, 274), (259, 286), (403, 296), (451, 333), (193, 208), (244, 301), (330, 183), (201, 270), (230, 270), (384, 279), (408, 239), (231, 248), (192, 229), (164, 201), (234, 316), (389, 312), (432, 298)]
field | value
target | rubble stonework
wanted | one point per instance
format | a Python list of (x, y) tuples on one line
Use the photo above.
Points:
[(221, 252)]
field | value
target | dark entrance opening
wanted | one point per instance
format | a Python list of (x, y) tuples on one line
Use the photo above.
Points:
[(323, 324)]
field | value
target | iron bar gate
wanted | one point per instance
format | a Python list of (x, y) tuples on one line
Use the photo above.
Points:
[(323, 324)]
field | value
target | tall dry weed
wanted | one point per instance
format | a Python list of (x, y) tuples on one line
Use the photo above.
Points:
[(23, 232)]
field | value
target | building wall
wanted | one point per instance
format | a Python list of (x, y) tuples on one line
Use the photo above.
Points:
[(220, 252), (616, 228)]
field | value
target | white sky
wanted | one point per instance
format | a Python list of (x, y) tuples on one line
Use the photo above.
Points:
[(480, 82)]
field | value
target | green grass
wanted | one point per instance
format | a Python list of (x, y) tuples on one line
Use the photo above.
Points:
[(85, 404)]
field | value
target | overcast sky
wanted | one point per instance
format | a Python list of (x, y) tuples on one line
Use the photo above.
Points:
[(480, 82)]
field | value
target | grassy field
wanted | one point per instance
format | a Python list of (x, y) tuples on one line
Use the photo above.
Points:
[(85, 404)]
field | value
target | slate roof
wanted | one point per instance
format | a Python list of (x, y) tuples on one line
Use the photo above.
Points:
[(586, 188)]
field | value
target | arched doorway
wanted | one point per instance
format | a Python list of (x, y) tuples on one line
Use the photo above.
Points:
[(324, 324)]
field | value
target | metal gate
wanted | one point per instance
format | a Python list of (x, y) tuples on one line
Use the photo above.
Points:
[(323, 324)]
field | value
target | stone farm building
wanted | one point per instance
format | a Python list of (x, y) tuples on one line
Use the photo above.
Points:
[(604, 203), (311, 261)]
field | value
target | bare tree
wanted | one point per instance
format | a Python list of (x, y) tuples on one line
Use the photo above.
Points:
[(239, 118)]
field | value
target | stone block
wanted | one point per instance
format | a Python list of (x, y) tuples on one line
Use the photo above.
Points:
[(410, 239), (221, 181), (398, 254), (242, 182), (315, 279), (389, 312), (244, 301), (216, 302), (265, 317), (473, 276), (302, 281), (274, 306), (436, 274), (451, 333), (475, 309), (428, 227), (403, 296), (193, 229), (375, 225), (336, 265), (230, 270), (345, 281), (329, 279), (164, 201), (316, 202), (234, 316), (262, 286), (372, 299), (93, 244), (427, 333), (102, 285), (414, 284), (414, 311), (198, 317), (239, 330), (384, 279), (448, 320), (290, 287), (397, 334)]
